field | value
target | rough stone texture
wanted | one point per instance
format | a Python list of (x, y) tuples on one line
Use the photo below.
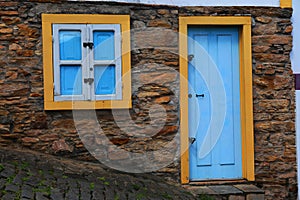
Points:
[(30, 175), (229, 191), (236, 197), (154, 119), (255, 197), (225, 189)]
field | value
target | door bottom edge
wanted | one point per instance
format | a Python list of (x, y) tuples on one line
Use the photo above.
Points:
[(219, 182)]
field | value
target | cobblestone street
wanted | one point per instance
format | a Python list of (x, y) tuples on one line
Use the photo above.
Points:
[(29, 175)]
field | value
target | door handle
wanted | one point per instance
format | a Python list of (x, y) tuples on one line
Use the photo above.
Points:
[(199, 95)]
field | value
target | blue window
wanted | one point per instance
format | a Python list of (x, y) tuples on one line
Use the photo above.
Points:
[(87, 62)]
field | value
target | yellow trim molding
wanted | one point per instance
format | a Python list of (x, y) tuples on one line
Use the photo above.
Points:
[(246, 89), (286, 3), (47, 21)]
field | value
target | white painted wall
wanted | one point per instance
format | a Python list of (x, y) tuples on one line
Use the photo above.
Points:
[(270, 3), (295, 55), (298, 135)]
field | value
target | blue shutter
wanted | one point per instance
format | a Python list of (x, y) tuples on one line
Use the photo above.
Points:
[(70, 80), (105, 80), (104, 45), (68, 57), (106, 61), (70, 45)]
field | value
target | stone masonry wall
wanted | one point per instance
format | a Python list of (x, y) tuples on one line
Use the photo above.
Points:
[(149, 132)]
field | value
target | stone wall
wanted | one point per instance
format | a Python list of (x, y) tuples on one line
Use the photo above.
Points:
[(149, 132)]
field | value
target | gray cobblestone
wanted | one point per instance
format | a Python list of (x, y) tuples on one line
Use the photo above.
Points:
[(97, 195), (72, 194), (85, 192), (8, 196), (2, 183), (12, 188), (57, 194), (36, 176), (27, 192), (8, 171), (40, 196)]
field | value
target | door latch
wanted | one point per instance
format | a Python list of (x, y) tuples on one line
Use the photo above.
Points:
[(190, 57), (88, 44), (192, 140), (88, 80), (199, 95)]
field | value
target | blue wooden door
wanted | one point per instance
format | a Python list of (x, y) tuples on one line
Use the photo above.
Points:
[(214, 103)]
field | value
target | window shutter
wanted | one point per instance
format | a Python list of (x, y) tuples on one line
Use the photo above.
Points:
[(106, 59), (68, 58)]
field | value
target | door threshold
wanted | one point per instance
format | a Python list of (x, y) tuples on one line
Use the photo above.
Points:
[(226, 189), (219, 182)]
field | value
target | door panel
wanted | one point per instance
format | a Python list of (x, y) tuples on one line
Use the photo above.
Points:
[(214, 104)]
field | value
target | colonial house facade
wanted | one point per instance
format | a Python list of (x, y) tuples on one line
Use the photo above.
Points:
[(195, 92)]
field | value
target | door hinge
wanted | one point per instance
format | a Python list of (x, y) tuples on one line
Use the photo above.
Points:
[(190, 57), (192, 140), (54, 92)]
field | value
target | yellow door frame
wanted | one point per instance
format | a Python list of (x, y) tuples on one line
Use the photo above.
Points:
[(245, 91), (285, 3)]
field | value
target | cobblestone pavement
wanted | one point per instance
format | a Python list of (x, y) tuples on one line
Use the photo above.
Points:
[(30, 175)]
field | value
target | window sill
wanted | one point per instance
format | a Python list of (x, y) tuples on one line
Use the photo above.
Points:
[(87, 105)]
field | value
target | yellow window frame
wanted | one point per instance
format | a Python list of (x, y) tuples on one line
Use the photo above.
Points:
[(245, 91), (47, 21)]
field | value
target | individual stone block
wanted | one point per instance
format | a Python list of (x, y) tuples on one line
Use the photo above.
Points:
[(255, 197), (249, 188), (225, 189), (234, 197)]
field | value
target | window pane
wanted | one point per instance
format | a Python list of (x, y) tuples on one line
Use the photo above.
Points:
[(70, 80), (105, 81), (70, 45), (104, 45)]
